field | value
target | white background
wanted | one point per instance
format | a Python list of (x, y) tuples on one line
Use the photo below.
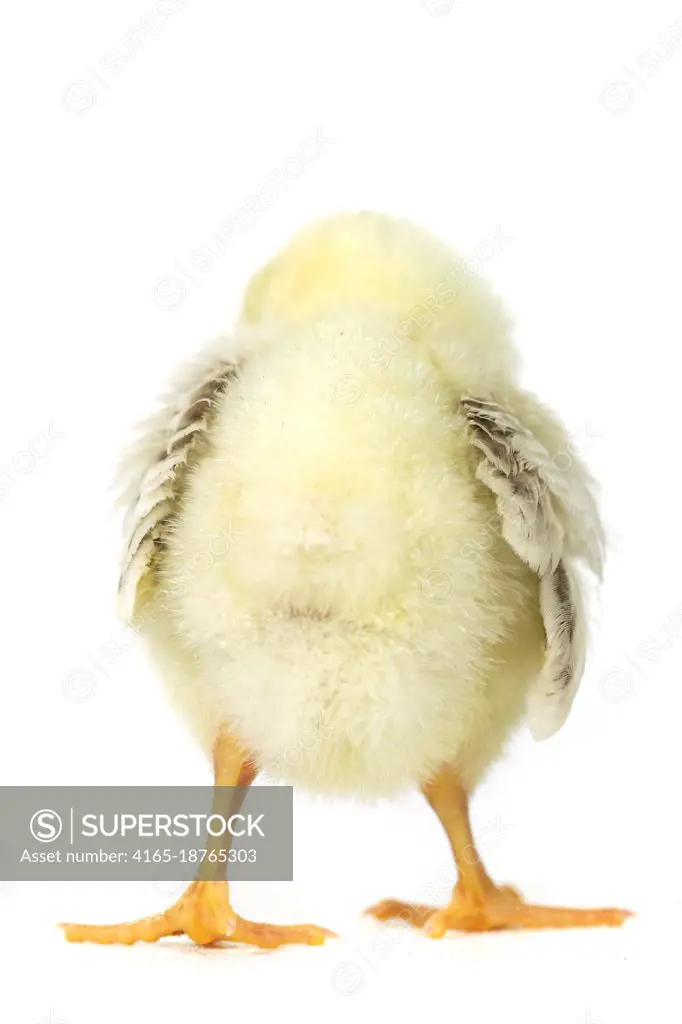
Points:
[(552, 122)]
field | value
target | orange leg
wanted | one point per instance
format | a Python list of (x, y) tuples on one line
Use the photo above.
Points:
[(477, 903), (204, 912)]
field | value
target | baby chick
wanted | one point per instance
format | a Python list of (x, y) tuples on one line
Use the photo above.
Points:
[(349, 523)]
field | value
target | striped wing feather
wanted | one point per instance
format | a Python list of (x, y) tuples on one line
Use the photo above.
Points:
[(542, 517), (153, 473)]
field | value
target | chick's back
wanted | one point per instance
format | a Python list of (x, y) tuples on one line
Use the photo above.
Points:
[(334, 559)]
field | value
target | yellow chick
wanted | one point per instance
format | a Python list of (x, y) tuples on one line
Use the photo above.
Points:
[(348, 522)]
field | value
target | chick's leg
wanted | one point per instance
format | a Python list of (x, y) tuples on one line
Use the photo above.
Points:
[(477, 903), (204, 912)]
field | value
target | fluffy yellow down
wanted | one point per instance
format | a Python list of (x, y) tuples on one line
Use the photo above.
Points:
[(336, 588)]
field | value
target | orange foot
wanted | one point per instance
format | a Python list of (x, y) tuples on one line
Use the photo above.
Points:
[(204, 914), (499, 907)]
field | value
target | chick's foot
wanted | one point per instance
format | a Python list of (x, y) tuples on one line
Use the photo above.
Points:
[(497, 908), (204, 914)]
